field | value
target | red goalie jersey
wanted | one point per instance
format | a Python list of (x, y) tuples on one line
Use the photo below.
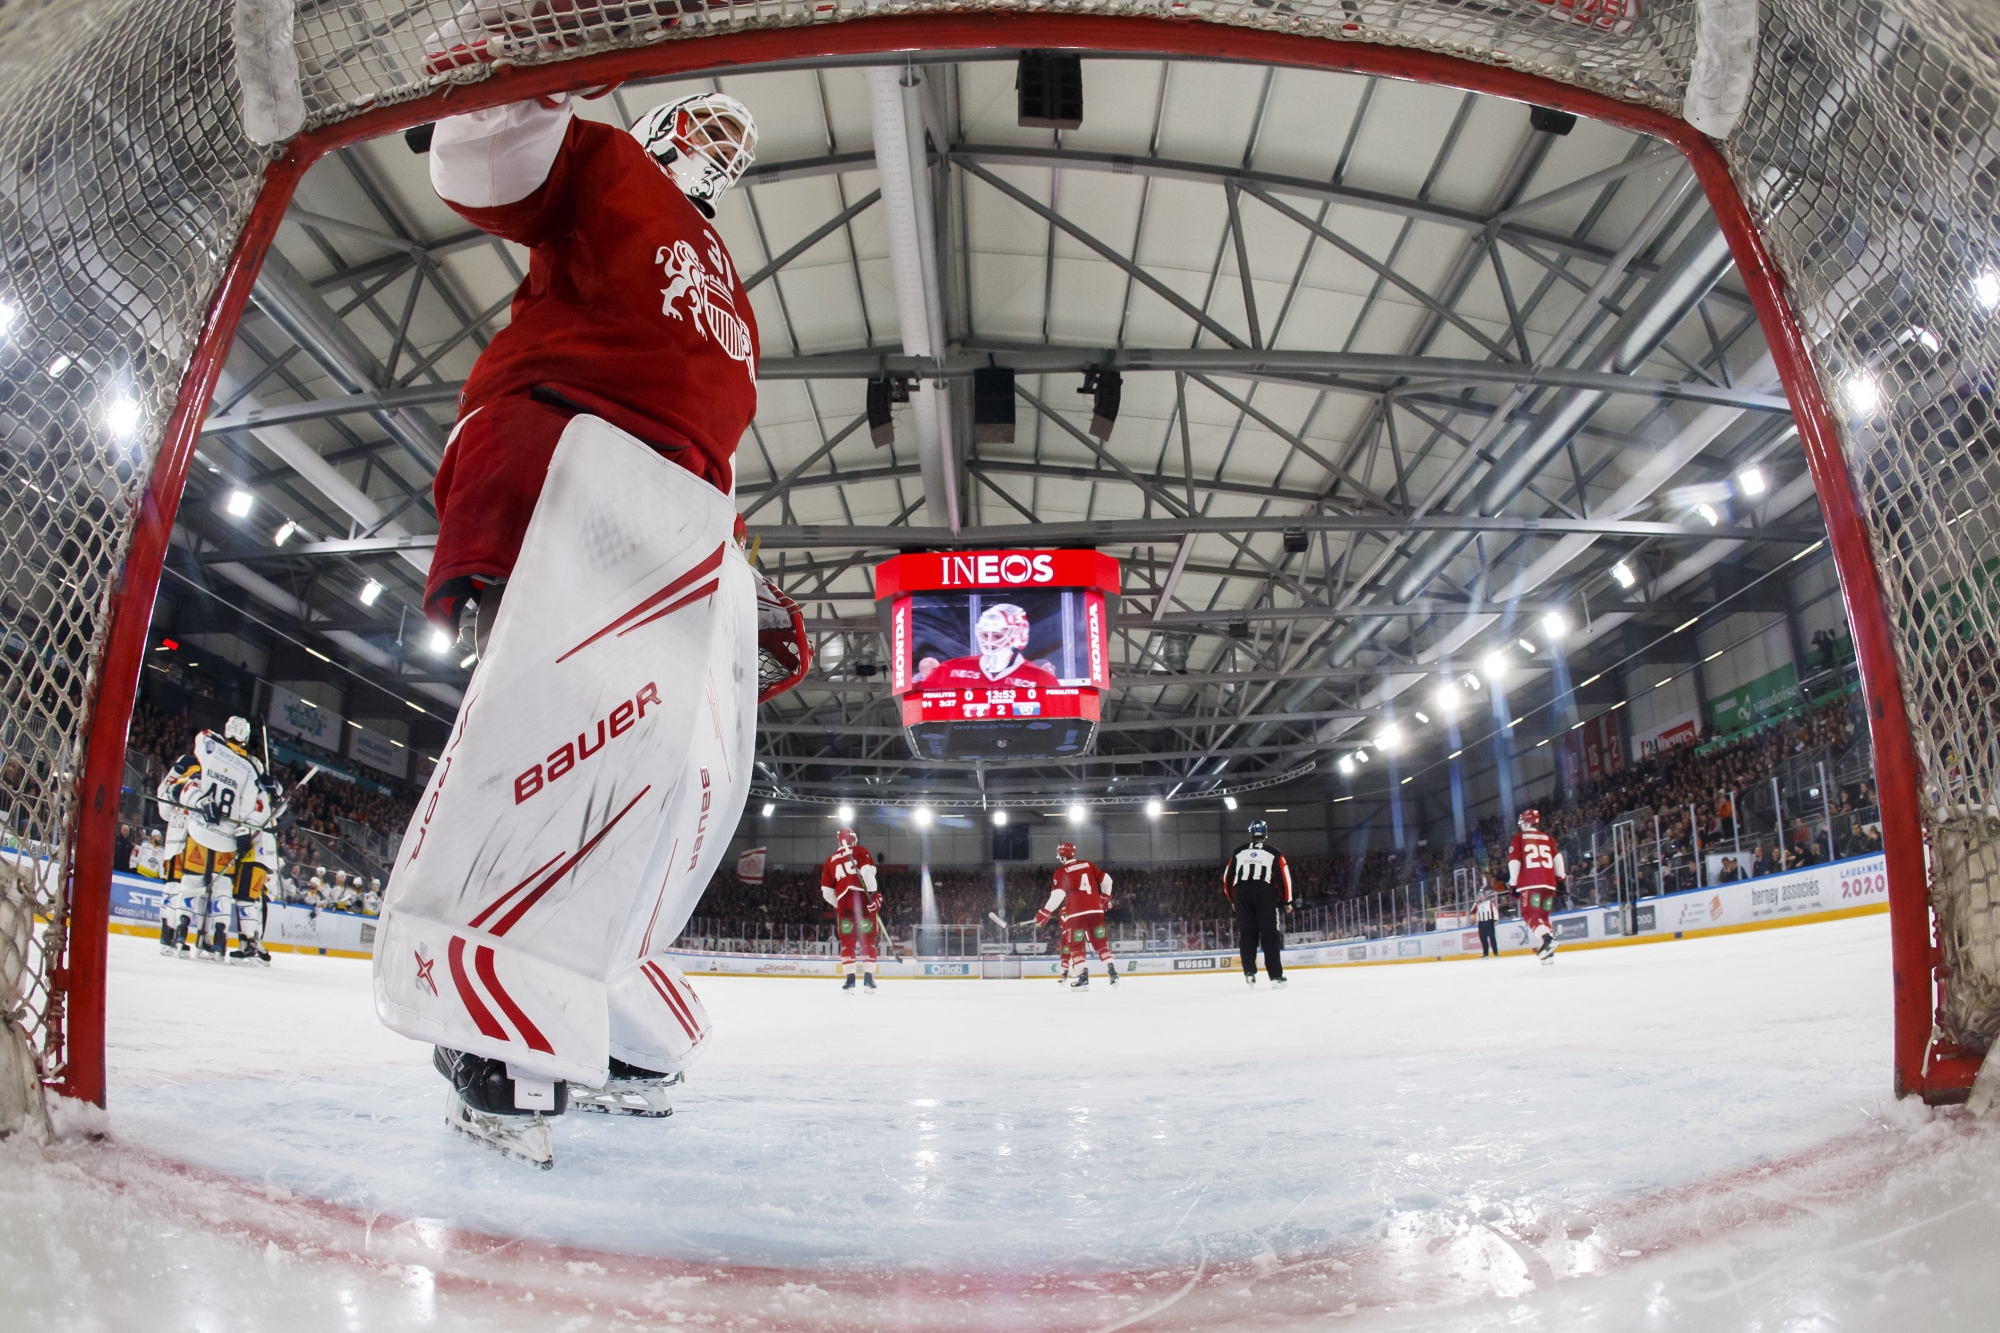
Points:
[(1533, 862)]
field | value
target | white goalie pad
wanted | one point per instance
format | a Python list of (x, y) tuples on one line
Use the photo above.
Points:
[(592, 780)]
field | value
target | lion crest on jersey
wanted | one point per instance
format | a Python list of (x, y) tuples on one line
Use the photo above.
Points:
[(708, 289)]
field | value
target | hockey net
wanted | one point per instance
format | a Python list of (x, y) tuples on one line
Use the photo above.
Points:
[(1866, 158)]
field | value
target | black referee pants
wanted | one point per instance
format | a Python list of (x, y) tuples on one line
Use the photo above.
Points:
[(1489, 938), (1257, 920)]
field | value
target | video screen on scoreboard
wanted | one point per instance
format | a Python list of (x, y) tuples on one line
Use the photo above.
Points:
[(1001, 639)]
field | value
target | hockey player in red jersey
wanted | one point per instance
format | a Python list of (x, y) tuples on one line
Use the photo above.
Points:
[(847, 882), (1535, 873), (1082, 893), (604, 747), (1002, 632)]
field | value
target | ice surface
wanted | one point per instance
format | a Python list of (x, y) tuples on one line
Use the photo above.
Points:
[(1694, 1135)]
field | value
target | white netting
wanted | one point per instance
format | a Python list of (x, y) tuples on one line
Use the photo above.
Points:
[(1867, 154)]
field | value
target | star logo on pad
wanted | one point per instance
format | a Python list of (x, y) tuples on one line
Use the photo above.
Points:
[(424, 966)]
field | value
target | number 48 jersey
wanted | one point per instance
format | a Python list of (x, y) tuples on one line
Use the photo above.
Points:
[(1533, 862)]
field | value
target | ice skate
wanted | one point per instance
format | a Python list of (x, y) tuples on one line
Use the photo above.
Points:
[(522, 1137), (1547, 951), (1082, 981), (1279, 983), (868, 982), (847, 986), (252, 954), (629, 1091), (1111, 971), (1249, 978)]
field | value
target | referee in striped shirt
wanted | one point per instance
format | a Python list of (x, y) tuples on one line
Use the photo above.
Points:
[(1255, 881)]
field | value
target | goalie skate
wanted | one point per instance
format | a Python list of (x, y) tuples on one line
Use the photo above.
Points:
[(645, 1097), (525, 1138)]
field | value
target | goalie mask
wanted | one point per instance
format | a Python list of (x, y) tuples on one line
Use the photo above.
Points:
[(237, 731), (705, 142), (1002, 631)]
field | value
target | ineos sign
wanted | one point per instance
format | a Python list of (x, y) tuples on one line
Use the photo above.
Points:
[(985, 571)]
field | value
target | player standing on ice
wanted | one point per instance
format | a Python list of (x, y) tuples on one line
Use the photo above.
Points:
[(1256, 881), (1536, 874), (847, 882), (227, 801), (1082, 893), (603, 750)]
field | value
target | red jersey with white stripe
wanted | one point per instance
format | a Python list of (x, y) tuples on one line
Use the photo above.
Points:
[(1533, 861), (965, 673), (843, 884), (1084, 888)]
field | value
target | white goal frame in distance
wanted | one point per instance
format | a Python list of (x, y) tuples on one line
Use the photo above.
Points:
[(1936, 1071)]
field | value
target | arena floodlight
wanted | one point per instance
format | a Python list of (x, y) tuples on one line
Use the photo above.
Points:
[(285, 532), (1229, 803), (846, 813), (922, 816), (369, 592), (1153, 809), (121, 417), (1361, 756), (441, 642), (1076, 814), (1623, 573), (467, 660), (1447, 697), (1554, 627), (1864, 395), (1387, 739), (999, 819), (1423, 717), (1527, 646), (769, 809), (1346, 766), (8, 314), (1750, 481), (1495, 667), (239, 504), (1986, 289), (1708, 514)]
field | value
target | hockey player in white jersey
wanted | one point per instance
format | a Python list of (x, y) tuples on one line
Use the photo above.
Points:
[(603, 752), (227, 800), (252, 884), (173, 855)]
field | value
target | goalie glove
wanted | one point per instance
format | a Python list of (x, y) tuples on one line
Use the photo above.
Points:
[(783, 655)]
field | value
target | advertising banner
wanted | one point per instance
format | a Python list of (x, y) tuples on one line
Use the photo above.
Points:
[(378, 752), (1683, 730), (1752, 703), (296, 715)]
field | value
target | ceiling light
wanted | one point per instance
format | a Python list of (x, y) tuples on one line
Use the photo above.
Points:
[(1864, 395), (922, 815), (1708, 514), (440, 641), (285, 532), (1447, 697), (769, 809), (8, 314), (1153, 809), (1554, 627), (1346, 766), (1623, 573), (58, 366), (239, 504), (1750, 481), (1527, 646), (1229, 803), (1495, 667), (999, 819), (1986, 289), (1361, 756), (122, 416), (1076, 814), (1470, 681), (467, 660), (369, 592), (846, 814), (1387, 739), (1423, 716)]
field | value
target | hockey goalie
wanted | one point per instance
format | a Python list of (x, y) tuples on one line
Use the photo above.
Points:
[(587, 544)]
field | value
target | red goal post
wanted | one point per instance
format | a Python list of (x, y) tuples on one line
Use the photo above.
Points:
[(69, 1025)]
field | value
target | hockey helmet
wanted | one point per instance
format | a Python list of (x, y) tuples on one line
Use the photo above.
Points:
[(1065, 851), (705, 142), (1531, 820), (846, 837), (237, 729), (1000, 628), (1259, 830)]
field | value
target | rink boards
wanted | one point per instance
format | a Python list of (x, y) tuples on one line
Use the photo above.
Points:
[(1818, 893)]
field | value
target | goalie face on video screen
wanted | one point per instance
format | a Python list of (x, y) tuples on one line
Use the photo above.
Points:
[(1000, 640)]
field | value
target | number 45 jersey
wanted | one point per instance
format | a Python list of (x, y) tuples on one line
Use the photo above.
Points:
[(1533, 861)]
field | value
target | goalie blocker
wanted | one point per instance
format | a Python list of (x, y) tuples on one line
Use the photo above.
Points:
[(588, 791)]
